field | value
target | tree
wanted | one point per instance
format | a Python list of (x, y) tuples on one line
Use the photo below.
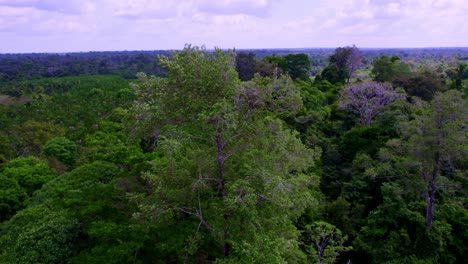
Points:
[(343, 63), (33, 134), (226, 162), (395, 232), (30, 172), (434, 138), (458, 74), (12, 197), (297, 66), (63, 149), (386, 69), (424, 84), (39, 235), (368, 99), (265, 68), (324, 242), (245, 65)]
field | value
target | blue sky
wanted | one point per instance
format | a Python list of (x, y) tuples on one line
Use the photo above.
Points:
[(82, 25)]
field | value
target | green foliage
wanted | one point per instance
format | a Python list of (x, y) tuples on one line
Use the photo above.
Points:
[(386, 69), (424, 84), (297, 66), (245, 65), (342, 64), (362, 139), (218, 170), (197, 166), (315, 109), (92, 195), (33, 135), (110, 146), (332, 74), (30, 173), (62, 149), (395, 232), (324, 242), (12, 197), (38, 235)]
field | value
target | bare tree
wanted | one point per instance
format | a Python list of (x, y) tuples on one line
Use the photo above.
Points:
[(368, 99)]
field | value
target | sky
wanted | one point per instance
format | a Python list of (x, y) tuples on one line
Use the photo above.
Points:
[(107, 25)]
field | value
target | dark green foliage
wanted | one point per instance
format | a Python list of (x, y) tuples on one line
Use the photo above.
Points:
[(424, 84), (245, 65), (396, 232), (332, 74), (91, 194), (12, 197), (6, 147), (362, 139), (297, 66)]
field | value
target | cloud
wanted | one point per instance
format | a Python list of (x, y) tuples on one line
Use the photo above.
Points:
[(61, 6), (25, 19), (154, 24), (251, 7), (157, 9), (163, 9)]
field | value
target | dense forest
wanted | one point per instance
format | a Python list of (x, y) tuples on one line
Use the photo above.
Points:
[(342, 155)]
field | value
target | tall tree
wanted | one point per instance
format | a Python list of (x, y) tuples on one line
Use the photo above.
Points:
[(297, 66), (346, 60), (245, 65), (435, 138), (227, 163)]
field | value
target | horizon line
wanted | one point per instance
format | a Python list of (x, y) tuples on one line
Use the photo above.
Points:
[(301, 48)]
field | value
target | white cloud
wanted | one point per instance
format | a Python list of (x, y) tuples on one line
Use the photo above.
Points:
[(62, 6), (252, 7), (153, 24)]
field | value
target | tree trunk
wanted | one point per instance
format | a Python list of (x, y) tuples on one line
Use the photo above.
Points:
[(223, 194), (430, 198)]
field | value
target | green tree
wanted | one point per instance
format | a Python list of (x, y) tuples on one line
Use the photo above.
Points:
[(226, 162), (386, 69), (50, 238), (324, 242), (435, 138), (30, 172), (33, 135), (63, 149), (297, 66), (12, 197), (423, 84), (395, 232), (458, 74), (245, 65)]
